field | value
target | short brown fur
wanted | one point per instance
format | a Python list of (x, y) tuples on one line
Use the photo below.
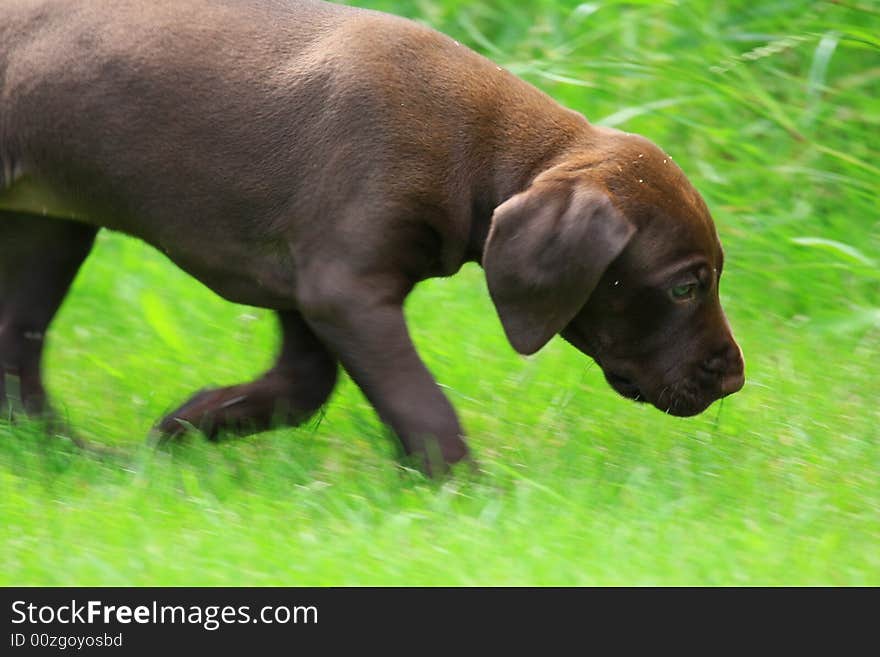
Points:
[(321, 160)]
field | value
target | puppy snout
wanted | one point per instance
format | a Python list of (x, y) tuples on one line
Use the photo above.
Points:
[(727, 363)]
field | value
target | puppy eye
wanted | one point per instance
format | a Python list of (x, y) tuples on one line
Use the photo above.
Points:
[(683, 292)]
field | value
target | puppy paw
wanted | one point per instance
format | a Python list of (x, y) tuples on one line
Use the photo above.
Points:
[(201, 413)]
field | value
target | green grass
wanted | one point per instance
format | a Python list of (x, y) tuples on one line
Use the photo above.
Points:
[(772, 108)]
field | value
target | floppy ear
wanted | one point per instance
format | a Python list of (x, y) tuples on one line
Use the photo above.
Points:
[(546, 251)]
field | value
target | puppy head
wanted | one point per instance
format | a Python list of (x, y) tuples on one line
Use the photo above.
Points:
[(614, 249)]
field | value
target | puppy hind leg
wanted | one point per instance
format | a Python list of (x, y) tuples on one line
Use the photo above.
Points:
[(288, 394), (39, 258)]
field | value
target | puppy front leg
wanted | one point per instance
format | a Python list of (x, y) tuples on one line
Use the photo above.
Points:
[(368, 333)]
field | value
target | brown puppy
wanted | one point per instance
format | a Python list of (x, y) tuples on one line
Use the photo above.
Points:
[(321, 160)]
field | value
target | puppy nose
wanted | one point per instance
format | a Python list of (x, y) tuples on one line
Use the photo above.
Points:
[(729, 365), (732, 382)]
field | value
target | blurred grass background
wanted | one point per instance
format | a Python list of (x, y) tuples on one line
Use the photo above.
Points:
[(773, 109)]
